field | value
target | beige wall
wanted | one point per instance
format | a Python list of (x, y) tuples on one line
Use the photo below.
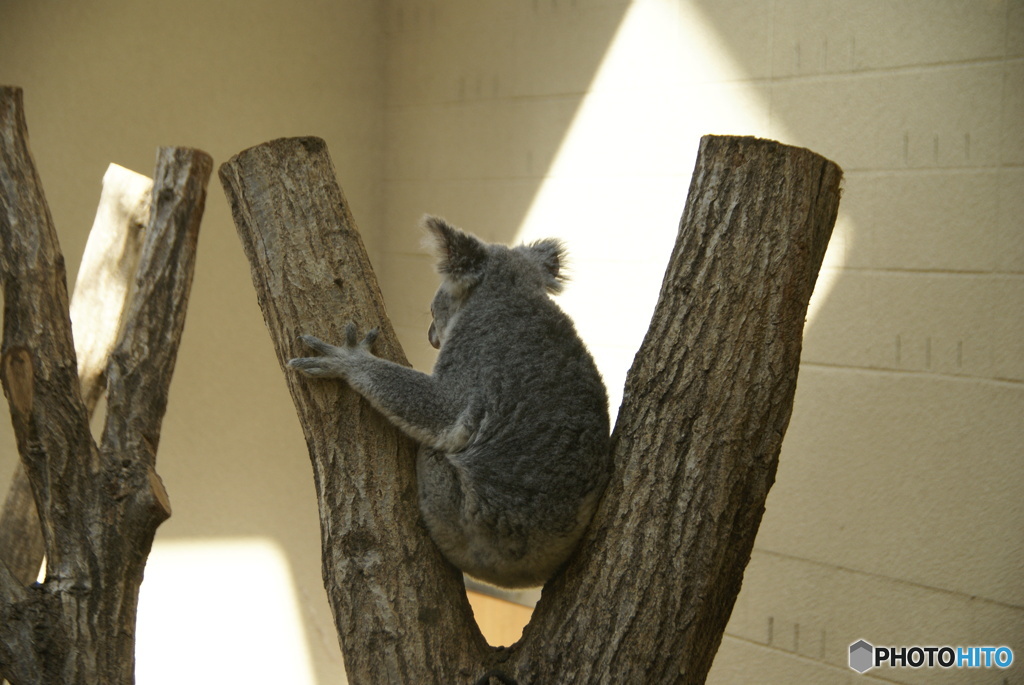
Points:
[(897, 515)]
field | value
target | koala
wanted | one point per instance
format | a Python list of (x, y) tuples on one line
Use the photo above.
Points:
[(512, 422)]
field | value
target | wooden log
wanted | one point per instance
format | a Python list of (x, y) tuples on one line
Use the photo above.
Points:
[(107, 273), (398, 606), (39, 367), (698, 436)]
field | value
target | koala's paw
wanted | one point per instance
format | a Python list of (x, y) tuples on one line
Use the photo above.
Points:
[(329, 364), (352, 335), (334, 362)]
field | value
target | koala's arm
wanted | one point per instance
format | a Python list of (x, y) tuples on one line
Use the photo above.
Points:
[(412, 400)]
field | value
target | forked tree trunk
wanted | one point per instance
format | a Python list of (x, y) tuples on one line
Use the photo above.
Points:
[(99, 505), (696, 444), (99, 304)]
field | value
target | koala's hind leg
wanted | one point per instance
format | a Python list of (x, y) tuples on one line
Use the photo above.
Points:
[(441, 499)]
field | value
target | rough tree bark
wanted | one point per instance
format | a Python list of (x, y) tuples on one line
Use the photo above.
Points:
[(98, 306), (99, 505), (696, 444)]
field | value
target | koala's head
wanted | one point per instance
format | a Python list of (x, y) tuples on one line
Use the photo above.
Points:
[(466, 262)]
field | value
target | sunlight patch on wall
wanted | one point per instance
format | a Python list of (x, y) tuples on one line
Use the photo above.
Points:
[(220, 611), (832, 265), (618, 184)]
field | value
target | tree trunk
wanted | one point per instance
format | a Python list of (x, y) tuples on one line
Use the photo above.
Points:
[(99, 506), (697, 441), (98, 305), (400, 609), (647, 596)]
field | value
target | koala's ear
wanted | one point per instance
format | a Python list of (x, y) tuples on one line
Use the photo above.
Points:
[(550, 254), (460, 256)]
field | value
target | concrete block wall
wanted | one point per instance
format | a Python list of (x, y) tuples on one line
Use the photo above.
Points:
[(897, 515)]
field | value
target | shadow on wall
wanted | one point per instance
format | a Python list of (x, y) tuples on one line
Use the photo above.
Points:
[(480, 97)]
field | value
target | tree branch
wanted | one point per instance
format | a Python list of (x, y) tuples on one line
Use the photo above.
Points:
[(141, 366), (39, 370), (100, 300), (398, 606), (135, 502), (697, 440)]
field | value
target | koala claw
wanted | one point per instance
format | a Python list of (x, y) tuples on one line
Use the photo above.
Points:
[(321, 366), (316, 344), (351, 332), (370, 337), (333, 361), (352, 336), (311, 366)]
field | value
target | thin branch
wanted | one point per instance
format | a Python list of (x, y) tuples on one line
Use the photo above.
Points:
[(141, 366), (99, 303), (39, 369)]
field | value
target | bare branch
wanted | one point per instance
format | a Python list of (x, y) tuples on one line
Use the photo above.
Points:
[(99, 512), (140, 369), (39, 370), (697, 441), (105, 277), (400, 609), (134, 501)]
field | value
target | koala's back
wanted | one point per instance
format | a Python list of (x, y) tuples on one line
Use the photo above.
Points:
[(510, 505)]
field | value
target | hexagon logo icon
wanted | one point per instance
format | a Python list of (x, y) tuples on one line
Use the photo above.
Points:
[(861, 656)]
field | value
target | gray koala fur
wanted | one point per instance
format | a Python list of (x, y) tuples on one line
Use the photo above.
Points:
[(513, 421)]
